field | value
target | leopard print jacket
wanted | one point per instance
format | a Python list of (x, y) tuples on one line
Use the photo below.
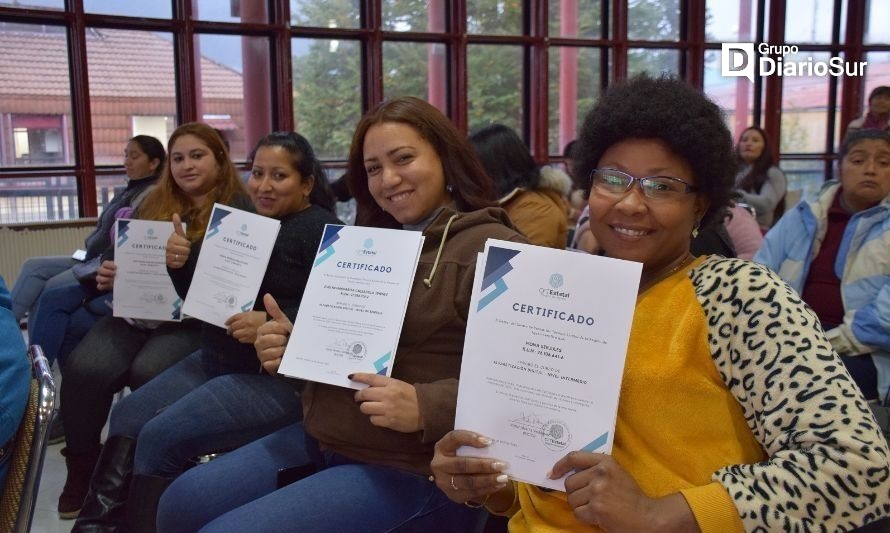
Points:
[(829, 465)]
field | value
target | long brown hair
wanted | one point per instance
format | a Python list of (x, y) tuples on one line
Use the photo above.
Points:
[(471, 188), (166, 198)]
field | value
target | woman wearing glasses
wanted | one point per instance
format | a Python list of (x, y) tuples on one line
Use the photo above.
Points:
[(729, 416)]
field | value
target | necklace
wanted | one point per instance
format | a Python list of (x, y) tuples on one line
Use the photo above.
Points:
[(661, 276)]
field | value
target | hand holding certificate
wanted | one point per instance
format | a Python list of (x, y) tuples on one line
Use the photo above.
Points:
[(544, 355), (231, 266), (142, 287), (354, 304)]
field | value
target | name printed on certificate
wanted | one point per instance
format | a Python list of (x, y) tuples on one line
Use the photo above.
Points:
[(352, 311), (231, 266), (142, 287), (544, 355)]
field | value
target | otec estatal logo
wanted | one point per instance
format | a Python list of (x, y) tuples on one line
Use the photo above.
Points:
[(556, 281), (739, 59), (367, 248)]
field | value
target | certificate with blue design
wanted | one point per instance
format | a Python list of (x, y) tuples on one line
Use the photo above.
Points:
[(544, 353), (234, 256), (142, 288), (352, 311)]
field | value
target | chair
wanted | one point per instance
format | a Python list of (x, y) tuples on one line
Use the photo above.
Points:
[(23, 480)]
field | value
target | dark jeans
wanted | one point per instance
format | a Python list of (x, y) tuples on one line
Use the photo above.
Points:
[(114, 355), (239, 492), (191, 410)]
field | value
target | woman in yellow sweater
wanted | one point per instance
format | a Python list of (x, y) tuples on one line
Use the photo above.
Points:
[(735, 413)]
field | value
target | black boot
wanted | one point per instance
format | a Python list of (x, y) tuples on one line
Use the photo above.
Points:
[(104, 508), (145, 493), (80, 468)]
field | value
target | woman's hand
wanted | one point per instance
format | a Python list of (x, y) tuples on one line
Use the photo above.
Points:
[(178, 247), (105, 276), (475, 479), (243, 326), (389, 402), (602, 493), (271, 337)]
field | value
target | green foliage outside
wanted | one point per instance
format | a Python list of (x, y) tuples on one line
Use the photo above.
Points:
[(327, 73)]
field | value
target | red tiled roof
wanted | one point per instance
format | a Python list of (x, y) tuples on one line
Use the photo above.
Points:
[(122, 63)]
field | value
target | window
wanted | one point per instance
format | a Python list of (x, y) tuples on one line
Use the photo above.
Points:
[(249, 67)]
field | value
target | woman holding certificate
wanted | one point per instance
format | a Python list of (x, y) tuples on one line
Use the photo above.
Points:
[(118, 352), (735, 413), (364, 455), (213, 399)]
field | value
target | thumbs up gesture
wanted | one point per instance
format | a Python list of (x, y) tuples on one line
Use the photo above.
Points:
[(271, 337), (178, 247)]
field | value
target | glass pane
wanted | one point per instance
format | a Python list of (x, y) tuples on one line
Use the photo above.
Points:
[(495, 17), (35, 97), (416, 69), (735, 96), (399, 15), (730, 20), (574, 87), (327, 93), (653, 20), (126, 101), (653, 61), (876, 28), (805, 178), (576, 18), (494, 86), (231, 11), (804, 108), (107, 186), (327, 14), (38, 199), (877, 73), (810, 21), (159, 10), (42, 4), (235, 92)]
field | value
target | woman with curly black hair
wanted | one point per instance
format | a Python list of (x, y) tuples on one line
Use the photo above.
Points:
[(722, 422), (760, 182)]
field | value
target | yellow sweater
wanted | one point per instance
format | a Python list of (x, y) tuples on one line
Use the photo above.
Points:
[(677, 421)]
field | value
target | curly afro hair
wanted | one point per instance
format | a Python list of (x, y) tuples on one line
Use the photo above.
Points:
[(675, 113)]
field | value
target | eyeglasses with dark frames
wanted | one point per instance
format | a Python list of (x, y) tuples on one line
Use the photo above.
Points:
[(618, 183)]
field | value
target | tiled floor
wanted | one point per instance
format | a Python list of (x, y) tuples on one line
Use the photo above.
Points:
[(46, 519)]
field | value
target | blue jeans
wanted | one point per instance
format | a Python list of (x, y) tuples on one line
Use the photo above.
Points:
[(189, 410), (238, 492), (61, 319), (37, 273)]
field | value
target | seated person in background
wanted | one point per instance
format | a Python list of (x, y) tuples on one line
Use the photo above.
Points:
[(72, 301), (534, 198), (737, 235), (729, 415), (878, 115), (15, 380), (143, 158), (835, 251), (744, 231), (214, 399), (411, 169), (761, 184), (578, 193)]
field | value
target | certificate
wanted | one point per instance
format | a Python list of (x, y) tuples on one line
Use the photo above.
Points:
[(142, 288), (354, 305), (233, 261), (544, 355)]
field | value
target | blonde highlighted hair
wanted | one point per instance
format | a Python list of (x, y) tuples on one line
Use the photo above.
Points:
[(166, 198)]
